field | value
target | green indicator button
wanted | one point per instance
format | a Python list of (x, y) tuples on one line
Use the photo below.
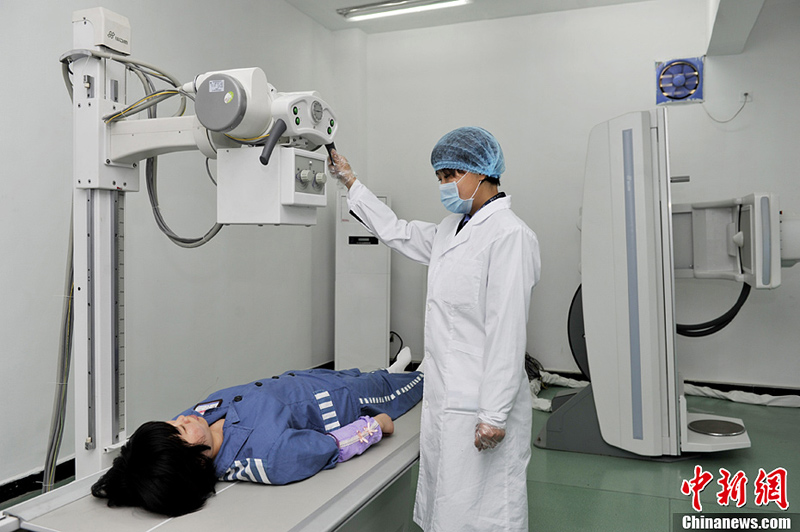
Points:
[(297, 120), (295, 110), (331, 122), (329, 131)]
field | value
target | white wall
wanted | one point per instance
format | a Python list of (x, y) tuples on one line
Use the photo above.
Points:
[(253, 302), (539, 83)]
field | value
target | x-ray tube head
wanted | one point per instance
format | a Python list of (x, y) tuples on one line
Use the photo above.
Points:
[(235, 102)]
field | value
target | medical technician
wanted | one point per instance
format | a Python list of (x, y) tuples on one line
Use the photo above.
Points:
[(483, 262)]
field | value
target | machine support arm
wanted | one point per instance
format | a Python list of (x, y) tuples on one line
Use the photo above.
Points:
[(130, 141)]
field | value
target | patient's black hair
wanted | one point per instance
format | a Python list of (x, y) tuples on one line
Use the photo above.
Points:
[(160, 472)]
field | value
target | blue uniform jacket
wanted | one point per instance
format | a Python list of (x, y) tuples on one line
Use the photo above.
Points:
[(275, 428)]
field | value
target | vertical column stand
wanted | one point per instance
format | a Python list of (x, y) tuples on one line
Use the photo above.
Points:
[(99, 329), (99, 205)]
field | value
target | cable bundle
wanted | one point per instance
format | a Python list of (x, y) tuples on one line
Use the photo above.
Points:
[(152, 98), (716, 325)]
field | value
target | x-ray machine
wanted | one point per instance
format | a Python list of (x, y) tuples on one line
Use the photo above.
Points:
[(268, 172), (622, 328)]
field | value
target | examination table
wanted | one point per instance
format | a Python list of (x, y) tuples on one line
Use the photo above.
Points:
[(373, 491)]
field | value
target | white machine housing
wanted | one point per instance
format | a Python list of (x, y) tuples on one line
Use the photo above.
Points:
[(363, 285), (107, 29), (244, 106), (237, 102), (306, 116), (286, 191), (628, 291)]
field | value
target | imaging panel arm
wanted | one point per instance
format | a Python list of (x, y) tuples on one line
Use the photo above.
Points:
[(737, 239)]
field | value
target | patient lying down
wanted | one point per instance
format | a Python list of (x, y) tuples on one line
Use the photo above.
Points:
[(273, 431)]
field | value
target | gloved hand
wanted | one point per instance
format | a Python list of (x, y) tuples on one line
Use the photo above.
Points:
[(340, 169), (488, 436)]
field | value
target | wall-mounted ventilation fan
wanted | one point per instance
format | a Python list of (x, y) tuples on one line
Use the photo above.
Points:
[(679, 80)]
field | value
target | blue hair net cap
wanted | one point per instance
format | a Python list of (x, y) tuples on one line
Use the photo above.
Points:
[(469, 148)]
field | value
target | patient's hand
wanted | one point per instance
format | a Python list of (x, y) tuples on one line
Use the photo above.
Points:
[(387, 426)]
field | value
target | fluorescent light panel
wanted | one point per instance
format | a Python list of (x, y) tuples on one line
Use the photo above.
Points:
[(399, 7)]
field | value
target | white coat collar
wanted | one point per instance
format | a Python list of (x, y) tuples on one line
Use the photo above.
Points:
[(487, 210), (481, 216)]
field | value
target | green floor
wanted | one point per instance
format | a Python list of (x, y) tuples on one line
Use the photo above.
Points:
[(574, 492)]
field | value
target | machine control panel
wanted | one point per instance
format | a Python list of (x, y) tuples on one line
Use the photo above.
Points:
[(309, 175)]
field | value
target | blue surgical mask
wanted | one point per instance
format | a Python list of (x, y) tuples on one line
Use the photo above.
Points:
[(448, 193)]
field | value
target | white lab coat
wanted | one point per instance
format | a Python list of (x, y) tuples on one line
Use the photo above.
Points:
[(479, 288)]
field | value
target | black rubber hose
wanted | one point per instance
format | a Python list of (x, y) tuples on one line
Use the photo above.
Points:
[(716, 325)]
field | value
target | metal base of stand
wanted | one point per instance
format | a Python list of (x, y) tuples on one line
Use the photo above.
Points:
[(573, 426)]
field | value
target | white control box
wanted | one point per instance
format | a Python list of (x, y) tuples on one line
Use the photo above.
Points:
[(286, 191)]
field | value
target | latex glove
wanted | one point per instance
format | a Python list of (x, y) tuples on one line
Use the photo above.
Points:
[(488, 436), (340, 169)]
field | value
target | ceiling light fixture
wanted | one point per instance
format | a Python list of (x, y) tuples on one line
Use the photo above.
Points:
[(395, 7)]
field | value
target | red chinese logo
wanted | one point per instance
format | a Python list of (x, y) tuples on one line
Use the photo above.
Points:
[(768, 487), (696, 485), (771, 487), (733, 488)]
